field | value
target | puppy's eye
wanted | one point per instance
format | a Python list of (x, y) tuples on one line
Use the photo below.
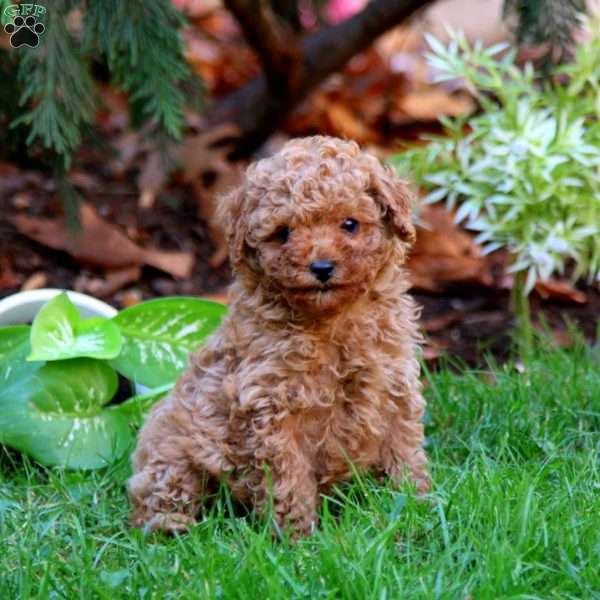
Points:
[(281, 235), (350, 225)]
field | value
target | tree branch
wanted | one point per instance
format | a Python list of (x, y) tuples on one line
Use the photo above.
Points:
[(257, 111), (273, 40), (289, 12)]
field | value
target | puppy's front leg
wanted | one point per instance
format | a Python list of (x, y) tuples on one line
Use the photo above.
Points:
[(289, 479), (402, 451)]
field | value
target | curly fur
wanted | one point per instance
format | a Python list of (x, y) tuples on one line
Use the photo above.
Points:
[(304, 382)]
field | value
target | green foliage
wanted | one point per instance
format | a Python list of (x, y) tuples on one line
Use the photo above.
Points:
[(136, 407), (141, 45), (57, 92), (145, 56), (159, 334), (57, 411), (524, 172), (14, 348), (59, 332), (56, 415), (514, 512)]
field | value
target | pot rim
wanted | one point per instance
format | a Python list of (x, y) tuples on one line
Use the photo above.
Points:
[(28, 303)]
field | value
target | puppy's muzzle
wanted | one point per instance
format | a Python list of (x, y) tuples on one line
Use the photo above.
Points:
[(322, 269)]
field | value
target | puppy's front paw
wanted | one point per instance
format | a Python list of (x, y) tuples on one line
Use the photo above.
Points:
[(400, 475), (297, 527), (171, 523), (422, 482)]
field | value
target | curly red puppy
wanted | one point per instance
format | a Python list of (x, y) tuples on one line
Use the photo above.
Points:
[(313, 372)]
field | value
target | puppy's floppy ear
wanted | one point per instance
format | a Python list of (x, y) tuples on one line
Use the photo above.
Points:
[(234, 221), (395, 200)]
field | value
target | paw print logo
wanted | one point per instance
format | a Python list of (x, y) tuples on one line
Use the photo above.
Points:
[(24, 31)]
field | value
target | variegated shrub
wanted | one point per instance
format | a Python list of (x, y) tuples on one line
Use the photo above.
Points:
[(524, 172)]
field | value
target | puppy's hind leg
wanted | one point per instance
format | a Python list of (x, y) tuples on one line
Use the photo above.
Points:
[(169, 478)]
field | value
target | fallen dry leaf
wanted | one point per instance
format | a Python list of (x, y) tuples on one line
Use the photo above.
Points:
[(129, 298), (445, 253), (350, 104), (104, 287), (204, 165), (35, 282), (345, 122), (201, 152), (196, 8), (83, 180), (222, 297), (178, 264), (216, 51), (128, 146), (430, 105), (100, 243), (560, 289), (12, 179), (22, 200)]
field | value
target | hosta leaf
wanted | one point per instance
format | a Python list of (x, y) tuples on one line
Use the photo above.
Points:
[(14, 348), (55, 414), (136, 408), (158, 336), (60, 332)]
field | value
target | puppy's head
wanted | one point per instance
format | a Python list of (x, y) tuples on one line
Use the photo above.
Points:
[(317, 223)]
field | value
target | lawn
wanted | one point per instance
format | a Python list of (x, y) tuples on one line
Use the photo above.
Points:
[(514, 512)]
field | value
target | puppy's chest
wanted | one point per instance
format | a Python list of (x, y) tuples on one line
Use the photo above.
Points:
[(336, 379), (345, 433), (344, 411)]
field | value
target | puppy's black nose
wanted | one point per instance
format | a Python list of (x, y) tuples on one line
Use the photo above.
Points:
[(322, 269)]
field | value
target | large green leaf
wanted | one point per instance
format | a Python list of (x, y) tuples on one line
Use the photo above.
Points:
[(60, 332), (136, 408), (55, 414), (14, 348), (158, 336)]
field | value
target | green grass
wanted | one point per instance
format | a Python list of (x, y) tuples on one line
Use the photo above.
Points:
[(514, 513)]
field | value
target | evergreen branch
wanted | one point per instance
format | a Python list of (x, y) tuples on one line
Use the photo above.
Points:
[(57, 85), (145, 56)]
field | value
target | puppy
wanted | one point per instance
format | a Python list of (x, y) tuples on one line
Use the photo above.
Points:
[(313, 373)]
